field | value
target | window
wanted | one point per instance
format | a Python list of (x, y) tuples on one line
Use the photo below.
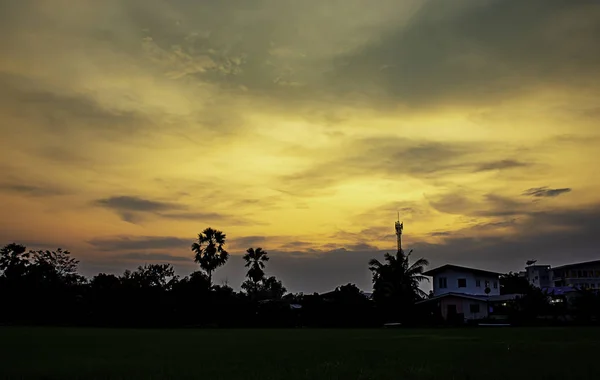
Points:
[(478, 283), (487, 284), (474, 308), (442, 282), (462, 282), (495, 284)]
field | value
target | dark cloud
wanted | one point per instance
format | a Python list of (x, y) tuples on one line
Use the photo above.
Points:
[(499, 165), (121, 243), (295, 245), (132, 203), (462, 52), (153, 257), (62, 112), (31, 190), (488, 205), (535, 236), (134, 209), (545, 192), (393, 158), (441, 233), (553, 237), (242, 243)]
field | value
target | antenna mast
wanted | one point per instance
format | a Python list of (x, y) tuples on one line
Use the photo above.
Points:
[(399, 227)]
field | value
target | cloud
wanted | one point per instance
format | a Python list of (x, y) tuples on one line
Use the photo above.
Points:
[(499, 165), (244, 242), (120, 243), (31, 190), (488, 205), (131, 203), (394, 158), (545, 192), (554, 237), (134, 209), (60, 111), (143, 256), (460, 52)]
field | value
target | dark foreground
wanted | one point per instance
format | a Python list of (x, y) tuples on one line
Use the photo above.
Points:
[(490, 353)]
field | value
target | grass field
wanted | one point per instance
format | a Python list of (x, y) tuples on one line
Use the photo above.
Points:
[(492, 353)]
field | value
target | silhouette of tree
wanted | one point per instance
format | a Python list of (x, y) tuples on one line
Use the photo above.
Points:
[(57, 266), (531, 305), (209, 251), (14, 260), (255, 260), (273, 288), (396, 282), (513, 283), (586, 305), (161, 276), (103, 282)]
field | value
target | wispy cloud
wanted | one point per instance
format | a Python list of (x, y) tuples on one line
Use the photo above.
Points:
[(144, 256), (545, 192), (140, 242)]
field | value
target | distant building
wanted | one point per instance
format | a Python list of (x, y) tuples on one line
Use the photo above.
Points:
[(539, 276), (585, 275)]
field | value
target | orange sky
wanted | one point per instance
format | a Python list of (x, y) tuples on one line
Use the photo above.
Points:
[(303, 127)]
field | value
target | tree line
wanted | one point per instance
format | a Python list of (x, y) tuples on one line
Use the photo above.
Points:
[(44, 288)]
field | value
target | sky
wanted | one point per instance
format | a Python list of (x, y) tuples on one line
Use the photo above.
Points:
[(302, 127)]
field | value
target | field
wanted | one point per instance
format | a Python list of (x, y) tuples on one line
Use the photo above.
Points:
[(482, 353)]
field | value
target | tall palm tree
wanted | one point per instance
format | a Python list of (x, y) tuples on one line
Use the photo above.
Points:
[(209, 251), (397, 280), (255, 260)]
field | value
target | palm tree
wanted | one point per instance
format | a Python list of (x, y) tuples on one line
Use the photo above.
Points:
[(397, 281), (255, 260), (209, 251)]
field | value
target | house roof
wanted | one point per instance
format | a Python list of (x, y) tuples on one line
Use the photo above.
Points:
[(446, 267), (585, 263)]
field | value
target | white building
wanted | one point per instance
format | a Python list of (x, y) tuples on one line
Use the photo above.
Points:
[(464, 293), (456, 279)]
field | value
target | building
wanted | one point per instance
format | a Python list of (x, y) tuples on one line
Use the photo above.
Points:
[(456, 279), (584, 275), (461, 293), (539, 276)]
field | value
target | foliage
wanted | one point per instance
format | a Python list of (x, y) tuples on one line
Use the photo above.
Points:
[(14, 260), (255, 261), (396, 282), (152, 276), (267, 288), (57, 265), (586, 305), (513, 283), (209, 250)]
